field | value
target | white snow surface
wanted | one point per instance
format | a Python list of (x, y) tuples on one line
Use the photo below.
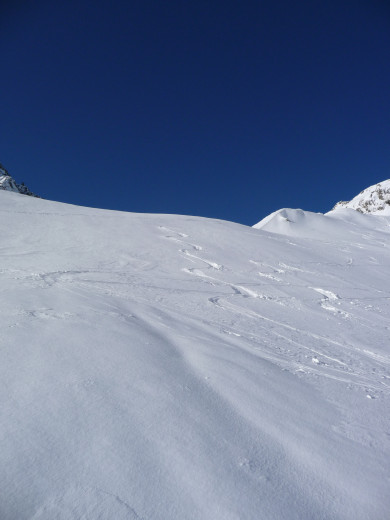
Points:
[(374, 199), (176, 367)]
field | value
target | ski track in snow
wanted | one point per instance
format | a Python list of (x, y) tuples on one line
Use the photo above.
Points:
[(303, 359)]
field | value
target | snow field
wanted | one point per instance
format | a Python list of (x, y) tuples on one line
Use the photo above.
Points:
[(171, 367)]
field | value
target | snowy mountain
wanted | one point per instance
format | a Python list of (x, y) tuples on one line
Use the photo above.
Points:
[(173, 367), (7, 183), (374, 200), (340, 224)]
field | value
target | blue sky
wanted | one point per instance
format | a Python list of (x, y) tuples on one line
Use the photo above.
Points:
[(222, 109)]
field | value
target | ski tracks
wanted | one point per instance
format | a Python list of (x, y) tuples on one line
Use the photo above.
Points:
[(301, 351)]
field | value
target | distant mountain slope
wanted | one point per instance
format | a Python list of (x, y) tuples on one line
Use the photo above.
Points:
[(164, 367), (374, 200), (7, 183), (306, 224)]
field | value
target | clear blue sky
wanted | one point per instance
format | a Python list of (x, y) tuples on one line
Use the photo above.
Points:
[(226, 109)]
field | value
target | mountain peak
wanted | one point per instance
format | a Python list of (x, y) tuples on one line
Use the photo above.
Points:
[(9, 184), (374, 200)]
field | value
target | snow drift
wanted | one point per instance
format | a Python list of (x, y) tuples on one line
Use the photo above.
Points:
[(174, 367)]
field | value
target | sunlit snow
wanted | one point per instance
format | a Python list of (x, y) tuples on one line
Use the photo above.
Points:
[(175, 367)]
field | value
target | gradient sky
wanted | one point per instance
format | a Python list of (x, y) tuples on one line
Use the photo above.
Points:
[(225, 109)]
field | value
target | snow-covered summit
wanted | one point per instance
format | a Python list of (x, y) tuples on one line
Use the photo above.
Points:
[(8, 183), (374, 199), (316, 226)]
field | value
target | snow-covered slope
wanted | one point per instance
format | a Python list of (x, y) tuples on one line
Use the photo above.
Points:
[(173, 367), (374, 200)]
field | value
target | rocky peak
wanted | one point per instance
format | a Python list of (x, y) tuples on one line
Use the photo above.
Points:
[(374, 200), (9, 184)]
